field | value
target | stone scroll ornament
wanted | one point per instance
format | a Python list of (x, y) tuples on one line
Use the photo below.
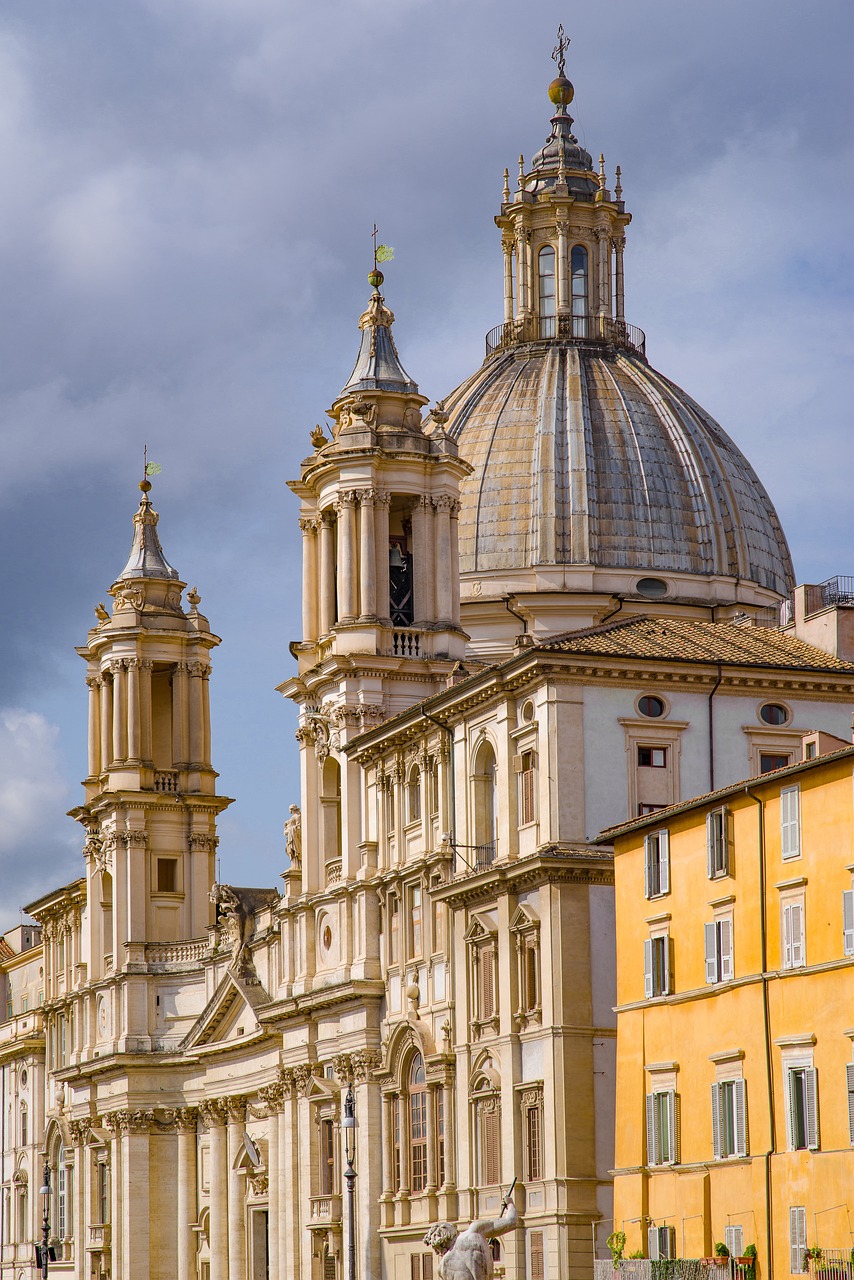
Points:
[(467, 1255)]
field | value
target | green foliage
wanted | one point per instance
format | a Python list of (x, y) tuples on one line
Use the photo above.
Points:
[(750, 1251), (616, 1242), (721, 1251), (638, 1253)]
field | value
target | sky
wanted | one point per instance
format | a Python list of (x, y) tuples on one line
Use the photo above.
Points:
[(186, 200)]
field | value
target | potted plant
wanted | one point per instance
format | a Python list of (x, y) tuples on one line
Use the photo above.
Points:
[(813, 1255), (748, 1261), (721, 1251)]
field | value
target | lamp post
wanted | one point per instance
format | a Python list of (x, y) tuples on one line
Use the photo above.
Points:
[(348, 1124), (44, 1253)]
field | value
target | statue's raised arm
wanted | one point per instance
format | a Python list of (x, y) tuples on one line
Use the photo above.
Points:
[(468, 1255)]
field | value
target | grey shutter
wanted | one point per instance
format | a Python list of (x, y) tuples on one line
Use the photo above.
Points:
[(796, 912), (725, 929), (791, 1088), (734, 1239), (848, 922), (652, 1243), (797, 1238), (710, 934), (710, 844), (668, 966), (726, 840), (740, 1105), (849, 1072), (716, 1121), (667, 1244), (788, 952), (647, 866), (647, 968), (811, 1094), (651, 1136), (664, 861), (673, 1125), (790, 835)]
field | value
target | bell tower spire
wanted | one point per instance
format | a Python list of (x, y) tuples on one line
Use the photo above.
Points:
[(150, 799)]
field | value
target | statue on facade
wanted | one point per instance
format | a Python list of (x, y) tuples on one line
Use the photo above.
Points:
[(293, 836), (467, 1255), (235, 909)]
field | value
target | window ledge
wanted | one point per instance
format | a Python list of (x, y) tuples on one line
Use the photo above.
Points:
[(797, 882), (726, 1055), (796, 1042), (728, 901), (661, 919)]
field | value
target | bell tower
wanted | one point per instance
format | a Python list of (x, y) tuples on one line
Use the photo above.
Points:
[(150, 800)]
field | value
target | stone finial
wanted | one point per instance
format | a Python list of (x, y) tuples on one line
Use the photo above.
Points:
[(618, 184), (505, 195), (521, 173)]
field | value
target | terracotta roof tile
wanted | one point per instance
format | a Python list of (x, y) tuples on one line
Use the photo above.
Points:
[(682, 640)]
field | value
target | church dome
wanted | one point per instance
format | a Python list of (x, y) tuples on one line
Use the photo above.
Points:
[(585, 455)]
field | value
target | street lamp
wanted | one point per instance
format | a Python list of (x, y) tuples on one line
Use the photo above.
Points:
[(348, 1124), (44, 1252)]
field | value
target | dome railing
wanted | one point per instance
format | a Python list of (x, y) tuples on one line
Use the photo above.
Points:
[(582, 329)]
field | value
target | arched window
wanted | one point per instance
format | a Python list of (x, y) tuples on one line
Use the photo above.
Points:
[(485, 1094), (546, 265), (330, 805), (418, 1123), (413, 794), (25, 1125), (62, 1194), (485, 807), (578, 275)]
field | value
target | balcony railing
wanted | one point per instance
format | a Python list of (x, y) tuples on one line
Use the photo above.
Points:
[(175, 952), (838, 590), (582, 329), (166, 780), (671, 1269), (406, 644)]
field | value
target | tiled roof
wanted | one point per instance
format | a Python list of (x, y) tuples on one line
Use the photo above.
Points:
[(683, 640), (6, 952), (696, 802)]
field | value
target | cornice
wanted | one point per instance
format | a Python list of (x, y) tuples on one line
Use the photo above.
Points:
[(547, 866)]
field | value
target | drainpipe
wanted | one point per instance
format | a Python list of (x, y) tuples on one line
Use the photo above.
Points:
[(766, 1015), (524, 621), (715, 688), (613, 611)]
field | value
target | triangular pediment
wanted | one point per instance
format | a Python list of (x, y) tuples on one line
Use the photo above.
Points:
[(524, 918), (480, 928), (230, 1014)]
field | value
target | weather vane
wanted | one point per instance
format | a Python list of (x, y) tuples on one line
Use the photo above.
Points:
[(559, 51), (382, 252)]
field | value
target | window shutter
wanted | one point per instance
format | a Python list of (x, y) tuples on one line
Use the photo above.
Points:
[(848, 922), (668, 966), (647, 866), (487, 991), (415, 1266), (647, 967), (710, 934), (725, 929), (538, 1262), (811, 1098), (849, 1072), (727, 822), (675, 1127), (651, 1136), (491, 1163), (652, 1243), (734, 1240), (426, 1266), (797, 1238), (797, 917), (790, 842), (667, 1243), (664, 861), (740, 1104), (787, 936), (710, 844), (716, 1120), (517, 763), (792, 1086)]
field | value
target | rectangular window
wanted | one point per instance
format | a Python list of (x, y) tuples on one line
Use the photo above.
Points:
[(848, 922), (770, 760), (415, 921), (797, 1240), (538, 1256), (167, 875), (849, 1076), (718, 843), (395, 1117), (440, 1135), (794, 950), (25, 1129), (438, 927), (62, 1199), (25, 1004), (734, 1240), (652, 757), (533, 1143), (662, 1137), (103, 1192), (531, 976), (491, 1139), (729, 1119), (327, 1157), (644, 809), (718, 940), (790, 822), (802, 1103), (661, 1242), (421, 1266), (657, 966), (656, 864), (393, 928), (525, 766), (486, 977), (418, 1139)]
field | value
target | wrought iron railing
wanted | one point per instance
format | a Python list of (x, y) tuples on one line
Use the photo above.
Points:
[(838, 590), (582, 329)]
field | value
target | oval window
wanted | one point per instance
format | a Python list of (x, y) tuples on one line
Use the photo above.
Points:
[(527, 712), (650, 706), (773, 713), (326, 938), (652, 587)]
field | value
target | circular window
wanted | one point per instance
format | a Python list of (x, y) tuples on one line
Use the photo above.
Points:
[(651, 706), (326, 938), (527, 713), (655, 588), (773, 713), (24, 1078)]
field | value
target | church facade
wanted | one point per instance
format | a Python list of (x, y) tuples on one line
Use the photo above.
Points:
[(545, 606)]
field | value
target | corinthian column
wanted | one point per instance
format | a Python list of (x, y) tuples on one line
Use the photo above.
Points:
[(562, 273), (309, 580), (521, 274), (327, 573), (444, 610), (136, 1211), (180, 752), (214, 1116), (146, 667), (422, 560), (507, 246), (367, 556), (133, 710), (236, 1192), (272, 1097), (619, 243), (117, 667), (94, 684), (346, 557), (185, 1120), (106, 719), (197, 717), (382, 502)]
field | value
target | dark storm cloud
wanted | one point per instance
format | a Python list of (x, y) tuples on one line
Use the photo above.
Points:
[(186, 198)]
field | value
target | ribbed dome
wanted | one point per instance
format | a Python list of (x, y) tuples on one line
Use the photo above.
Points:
[(587, 456)]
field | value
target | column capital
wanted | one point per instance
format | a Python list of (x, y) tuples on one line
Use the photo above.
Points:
[(128, 1122), (213, 1113), (116, 665), (80, 1131), (308, 525), (184, 1119), (356, 1067), (94, 682), (273, 1097), (236, 1109)]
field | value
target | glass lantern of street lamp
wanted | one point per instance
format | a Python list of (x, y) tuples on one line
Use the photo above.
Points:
[(348, 1124)]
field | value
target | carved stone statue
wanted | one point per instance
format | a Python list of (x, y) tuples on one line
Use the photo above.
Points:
[(293, 836), (467, 1255), (236, 910)]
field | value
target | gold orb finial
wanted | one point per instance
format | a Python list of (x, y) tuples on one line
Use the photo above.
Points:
[(561, 91), (145, 485), (375, 278)]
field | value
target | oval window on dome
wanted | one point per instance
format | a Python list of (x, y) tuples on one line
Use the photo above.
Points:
[(546, 281), (650, 705), (578, 286), (654, 588), (773, 713)]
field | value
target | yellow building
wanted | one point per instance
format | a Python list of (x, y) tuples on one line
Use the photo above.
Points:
[(735, 1018)]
